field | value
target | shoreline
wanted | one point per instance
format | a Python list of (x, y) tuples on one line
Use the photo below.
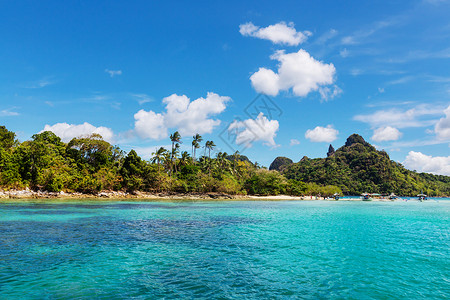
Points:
[(28, 194)]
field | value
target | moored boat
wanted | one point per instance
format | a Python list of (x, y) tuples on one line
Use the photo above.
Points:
[(422, 197), (392, 196), (366, 197)]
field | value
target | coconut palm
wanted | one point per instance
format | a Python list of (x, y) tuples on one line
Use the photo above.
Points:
[(167, 161), (158, 155), (185, 158), (222, 160), (174, 155), (209, 145), (197, 139), (176, 140)]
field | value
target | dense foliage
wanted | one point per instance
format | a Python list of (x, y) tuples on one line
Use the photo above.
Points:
[(89, 164), (280, 162), (358, 167)]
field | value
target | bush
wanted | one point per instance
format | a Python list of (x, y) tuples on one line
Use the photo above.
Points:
[(264, 182)]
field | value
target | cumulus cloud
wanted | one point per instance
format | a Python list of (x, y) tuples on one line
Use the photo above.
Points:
[(69, 131), (189, 117), (280, 33), (386, 133), (426, 163), (150, 125), (253, 130), (442, 127), (298, 71), (414, 117), (322, 134), (113, 73)]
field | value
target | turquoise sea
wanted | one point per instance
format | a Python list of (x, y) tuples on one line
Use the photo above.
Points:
[(225, 250)]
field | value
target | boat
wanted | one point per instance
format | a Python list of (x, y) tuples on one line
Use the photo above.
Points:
[(336, 196), (422, 197), (392, 196), (376, 196), (366, 197)]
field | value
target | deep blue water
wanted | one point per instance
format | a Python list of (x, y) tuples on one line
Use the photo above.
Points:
[(225, 250)]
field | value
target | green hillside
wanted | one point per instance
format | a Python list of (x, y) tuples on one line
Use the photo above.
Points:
[(357, 167)]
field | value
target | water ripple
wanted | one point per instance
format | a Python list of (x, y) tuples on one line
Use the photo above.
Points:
[(225, 250)]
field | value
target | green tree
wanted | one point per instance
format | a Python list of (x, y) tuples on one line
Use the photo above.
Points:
[(210, 146), (197, 139), (93, 151), (175, 138), (132, 171)]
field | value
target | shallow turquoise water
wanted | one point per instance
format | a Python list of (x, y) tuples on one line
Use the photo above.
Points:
[(147, 250)]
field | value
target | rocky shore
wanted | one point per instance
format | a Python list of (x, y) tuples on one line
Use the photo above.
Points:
[(30, 194)]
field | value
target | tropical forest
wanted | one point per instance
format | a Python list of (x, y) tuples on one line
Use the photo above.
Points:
[(89, 164)]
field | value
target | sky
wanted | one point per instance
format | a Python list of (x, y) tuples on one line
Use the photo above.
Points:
[(265, 78)]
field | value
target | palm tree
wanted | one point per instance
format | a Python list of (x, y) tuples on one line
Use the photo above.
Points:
[(185, 158), (222, 159), (167, 160), (209, 145), (158, 155), (176, 140), (174, 155), (197, 139)]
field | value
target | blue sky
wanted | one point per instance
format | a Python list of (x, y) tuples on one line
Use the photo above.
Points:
[(136, 71)]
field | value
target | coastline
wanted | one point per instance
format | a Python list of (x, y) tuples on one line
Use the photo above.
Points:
[(28, 194)]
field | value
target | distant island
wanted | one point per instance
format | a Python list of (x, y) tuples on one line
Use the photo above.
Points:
[(90, 165)]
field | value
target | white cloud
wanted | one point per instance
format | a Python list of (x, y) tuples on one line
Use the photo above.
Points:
[(356, 72), (69, 131), (297, 70), (189, 117), (361, 35), (329, 93), (147, 152), (327, 36), (322, 134), (401, 80), (386, 133), (442, 127), (113, 73), (280, 33), (344, 53), (294, 142), (142, 98), (414, 117), (253, 130), (41, 83), (150, 125), (9, 112), (429, 164)]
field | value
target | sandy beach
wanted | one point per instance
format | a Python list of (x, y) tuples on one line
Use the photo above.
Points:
[(120, 195)]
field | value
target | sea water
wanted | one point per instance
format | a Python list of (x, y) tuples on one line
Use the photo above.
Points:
[(226, 250)]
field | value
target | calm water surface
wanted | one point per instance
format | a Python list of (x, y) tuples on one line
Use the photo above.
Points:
[(148, 250)]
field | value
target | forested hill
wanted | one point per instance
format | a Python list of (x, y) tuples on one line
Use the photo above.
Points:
[(90, 164), (357, 167)]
